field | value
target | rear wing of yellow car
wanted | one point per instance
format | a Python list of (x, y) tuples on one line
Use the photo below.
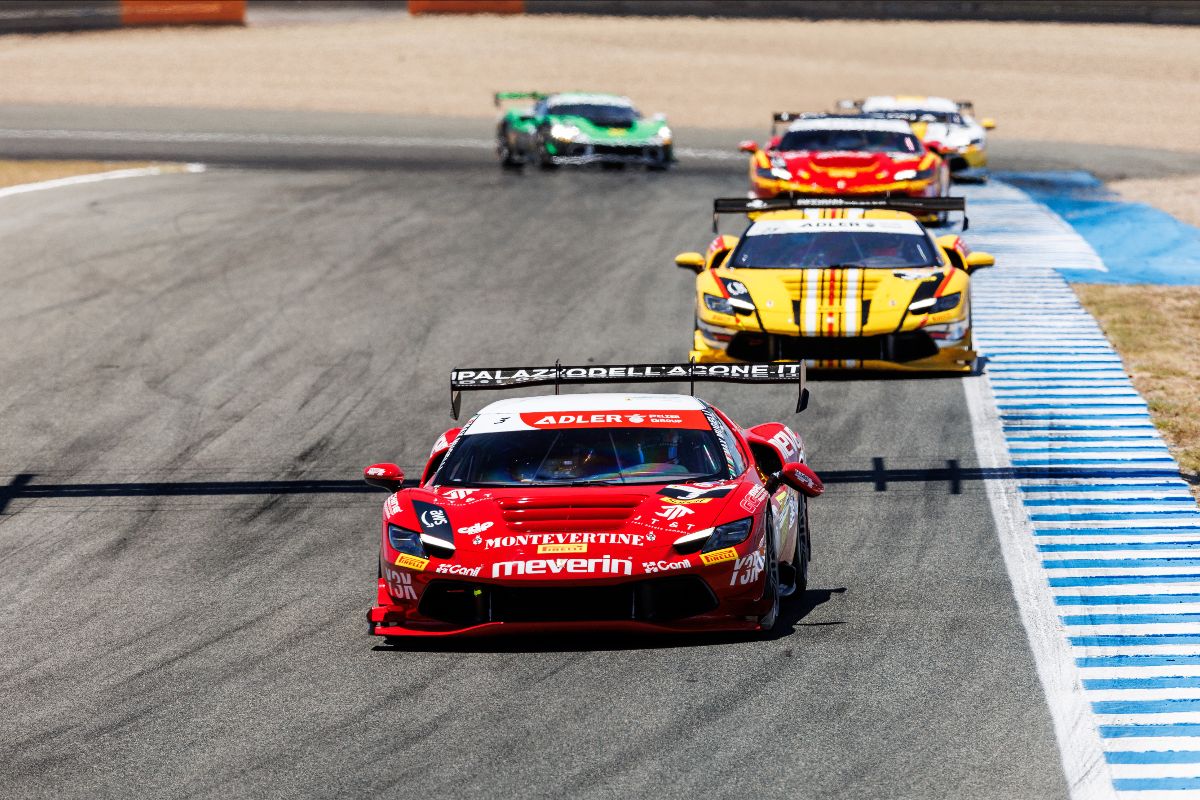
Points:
[(502, 378), (918, 206)]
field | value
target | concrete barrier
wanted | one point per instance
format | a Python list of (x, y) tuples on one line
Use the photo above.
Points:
[(1162, 12), (38, 16)]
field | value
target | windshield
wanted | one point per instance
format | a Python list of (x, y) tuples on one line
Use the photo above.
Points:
[(578, 456), (605, 116), (851, 140), (799, 244)]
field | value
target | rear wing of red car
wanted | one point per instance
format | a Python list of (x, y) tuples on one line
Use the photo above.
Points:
[(920, 206), (784, 117), (500, 97), (559, 375)]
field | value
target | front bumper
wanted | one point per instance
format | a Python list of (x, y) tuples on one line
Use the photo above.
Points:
[(596, 153), (677, 603), (909, 351)]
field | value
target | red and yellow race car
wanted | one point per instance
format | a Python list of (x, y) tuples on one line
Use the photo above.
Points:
[(831, 154), (598, 511)]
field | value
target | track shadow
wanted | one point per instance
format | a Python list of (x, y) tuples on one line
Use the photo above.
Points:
[(879, 475), (791, 614)]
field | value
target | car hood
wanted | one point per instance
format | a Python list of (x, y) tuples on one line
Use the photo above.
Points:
[(639, 523), (840, 302)]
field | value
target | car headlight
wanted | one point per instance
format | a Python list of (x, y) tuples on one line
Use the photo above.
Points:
[(728, 535), (934, 305), (717, 538), (566, 133), (913, 175), (664, 134), (403, 540), (718, 304)]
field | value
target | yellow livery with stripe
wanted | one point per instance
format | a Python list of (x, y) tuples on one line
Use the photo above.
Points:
[(844, 285)]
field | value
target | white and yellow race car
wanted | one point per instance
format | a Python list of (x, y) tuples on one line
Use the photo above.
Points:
[(948, 127)]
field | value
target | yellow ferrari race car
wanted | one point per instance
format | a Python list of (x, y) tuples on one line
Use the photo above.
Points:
[(839, 283)]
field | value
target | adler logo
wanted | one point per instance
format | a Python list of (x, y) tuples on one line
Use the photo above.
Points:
[(583, 419), (560, 566)]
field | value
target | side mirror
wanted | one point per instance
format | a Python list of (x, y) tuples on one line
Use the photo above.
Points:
[(748, 146), (979, 259), (988, 123), (692, 261), (385, 476), (802, 479)]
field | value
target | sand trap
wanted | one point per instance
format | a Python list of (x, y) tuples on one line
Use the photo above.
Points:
[(1111, 84)]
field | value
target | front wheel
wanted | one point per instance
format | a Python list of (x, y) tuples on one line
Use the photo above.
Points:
[(771, 584), (508, 158)]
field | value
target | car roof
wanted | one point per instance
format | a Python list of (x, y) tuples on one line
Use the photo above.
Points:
[(908, 102), (595, 401), (589, 98), (850, 124)]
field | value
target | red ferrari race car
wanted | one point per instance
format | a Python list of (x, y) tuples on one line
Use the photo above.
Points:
[(829, 154), (597, 511)]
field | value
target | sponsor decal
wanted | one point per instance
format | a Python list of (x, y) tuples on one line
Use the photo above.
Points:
[(399, 584), (541, 539), (753, 499), (764, 372), (785, 443), (457, 569), (478, 527), (684, 491), (665, 566), (605, 419), (435, 525), (440, 444), (581, 547), (458, 494), (392, 505), (434, 518), (717, 556), (674, 512), (679, 501), (747, 569), (560, 566), (376, 472), (414, 563)]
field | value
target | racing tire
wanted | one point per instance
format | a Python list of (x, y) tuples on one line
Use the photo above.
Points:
[(545, 160), (663, 164), (508, 158), (771, 585), (943, 217)]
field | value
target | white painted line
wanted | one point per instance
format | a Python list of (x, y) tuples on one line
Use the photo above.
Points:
[(94, 177), (1087, 773)]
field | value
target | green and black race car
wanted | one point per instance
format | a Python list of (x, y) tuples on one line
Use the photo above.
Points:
[(578, 128)]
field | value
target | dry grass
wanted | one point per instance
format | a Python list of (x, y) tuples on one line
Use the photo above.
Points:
[(17, 172), (1156, 329), (1111, 84), (1179, 196)]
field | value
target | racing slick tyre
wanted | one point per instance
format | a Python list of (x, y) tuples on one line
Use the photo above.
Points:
[(508, 159), (797, 572), (770, 583), (662, 164)]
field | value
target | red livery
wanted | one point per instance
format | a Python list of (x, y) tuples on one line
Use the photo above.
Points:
[(614, 511)]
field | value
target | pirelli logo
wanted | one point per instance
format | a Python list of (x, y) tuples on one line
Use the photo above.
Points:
[(578, 547), (717, 556), (411, 562)]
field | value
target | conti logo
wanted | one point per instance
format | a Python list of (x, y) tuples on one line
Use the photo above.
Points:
[(560, 566), (717, 556)]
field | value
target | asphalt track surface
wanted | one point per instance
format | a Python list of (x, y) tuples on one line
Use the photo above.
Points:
[(196, 369)]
